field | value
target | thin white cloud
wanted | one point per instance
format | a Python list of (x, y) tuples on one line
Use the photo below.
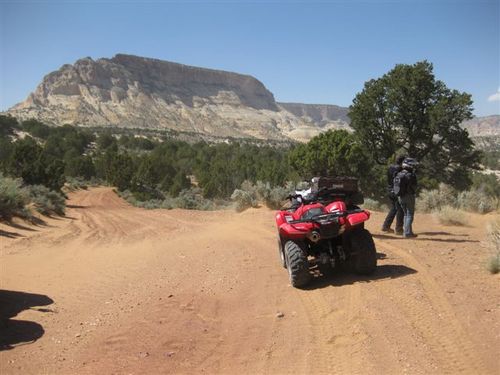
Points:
[(495, 97)]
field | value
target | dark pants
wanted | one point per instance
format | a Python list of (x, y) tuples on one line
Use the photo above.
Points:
[(408, 204), (395, 211)]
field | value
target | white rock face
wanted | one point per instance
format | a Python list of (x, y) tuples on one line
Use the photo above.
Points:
[(131, 91), (483, 126)]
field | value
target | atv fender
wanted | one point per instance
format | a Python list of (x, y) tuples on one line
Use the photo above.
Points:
[(358, 218), (294, 232)]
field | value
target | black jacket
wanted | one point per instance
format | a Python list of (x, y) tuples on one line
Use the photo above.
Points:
[(410, 181), (391, 173)]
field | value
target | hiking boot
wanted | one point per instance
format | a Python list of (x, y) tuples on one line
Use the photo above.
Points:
[(387, 230), (399, 231), (411, 235)]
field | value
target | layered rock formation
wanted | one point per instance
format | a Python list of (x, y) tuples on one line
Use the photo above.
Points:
[(320, 114), (483, 126), (131, 91)]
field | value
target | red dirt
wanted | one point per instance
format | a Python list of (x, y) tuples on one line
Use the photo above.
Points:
[(147, 292)]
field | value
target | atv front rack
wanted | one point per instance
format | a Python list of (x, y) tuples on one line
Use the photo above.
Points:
[(328, 195), (327, 217)]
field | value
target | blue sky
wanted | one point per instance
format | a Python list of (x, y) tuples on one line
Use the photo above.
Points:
[(303, 51)]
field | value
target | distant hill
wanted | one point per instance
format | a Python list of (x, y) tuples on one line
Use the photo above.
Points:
[(322, 115), (142, 93)]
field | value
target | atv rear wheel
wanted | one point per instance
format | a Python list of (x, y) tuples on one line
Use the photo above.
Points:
[(297, 264), (363, 252), (281, 253)]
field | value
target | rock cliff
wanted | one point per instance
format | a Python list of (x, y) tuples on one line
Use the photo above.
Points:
[(131, 91)]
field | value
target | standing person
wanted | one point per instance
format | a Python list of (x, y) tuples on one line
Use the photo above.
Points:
[(395, 210), (405, 187)]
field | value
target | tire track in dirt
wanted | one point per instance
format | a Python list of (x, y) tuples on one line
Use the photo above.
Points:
[(132, 286), (435, 320), (335, 336)]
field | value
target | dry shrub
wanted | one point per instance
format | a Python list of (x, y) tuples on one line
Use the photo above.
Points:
[(476, 201), (373, 205), (276, 197), (191, 199), (251, 195), (494, 243), (434, 200), (13, 198), (243, 199), (47, 201), (470, 201), (451, 216)]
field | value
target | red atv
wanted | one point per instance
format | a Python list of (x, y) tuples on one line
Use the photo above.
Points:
[(325, 229)]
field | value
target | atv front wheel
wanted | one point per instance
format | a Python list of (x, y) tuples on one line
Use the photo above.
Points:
[(297, 264), (364, 254)]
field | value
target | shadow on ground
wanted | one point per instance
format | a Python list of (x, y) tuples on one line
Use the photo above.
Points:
[(75, 206), (14, 332), (342, 277), (429, 236), (443, 234), (5, 233)]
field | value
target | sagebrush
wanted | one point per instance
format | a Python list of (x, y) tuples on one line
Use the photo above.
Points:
[(445, 196), (476, 201), (251, 195), (451, 216), (17, 199), (494, 244), (434, 200), (13, 198), (47, 201), (373, 205), (191, 199)]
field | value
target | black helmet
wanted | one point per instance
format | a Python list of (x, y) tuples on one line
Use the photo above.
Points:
[(409, 163), (400, 159)]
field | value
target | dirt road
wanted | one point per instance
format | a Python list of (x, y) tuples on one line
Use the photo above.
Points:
[(113, 289)]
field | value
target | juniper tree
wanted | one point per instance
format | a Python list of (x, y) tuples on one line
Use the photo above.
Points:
[(408, 110)]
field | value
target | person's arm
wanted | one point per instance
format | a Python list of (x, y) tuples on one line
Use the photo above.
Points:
[(413, 182), (389, 176)]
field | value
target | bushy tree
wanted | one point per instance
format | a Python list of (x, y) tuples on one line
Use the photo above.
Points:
[(337, 153), (487, 183), (29, 161), (36, 128), (333, 153), (180, 182), (6, 148), (25, 161), (80, 166), (7, 125), (408, 110), (106, 140)]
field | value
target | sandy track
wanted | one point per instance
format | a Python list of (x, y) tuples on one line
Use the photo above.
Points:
[(117, 289)]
